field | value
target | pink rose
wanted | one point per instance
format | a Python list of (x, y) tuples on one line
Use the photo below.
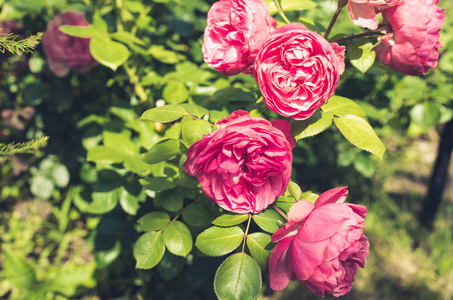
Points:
[(412, 46), (322, 245), (235, 33), (363, 12), (297, 71), (65, 52), (244, 165)]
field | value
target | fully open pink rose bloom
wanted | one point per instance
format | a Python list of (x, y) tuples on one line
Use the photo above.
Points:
[(363, 12), (235, 33), (65, 52), (322, 245), (412, 45), (244, 165), (297, 71)]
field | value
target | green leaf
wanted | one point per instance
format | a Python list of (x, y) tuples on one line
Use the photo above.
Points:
[(215, 115), (162, 151), (17, 270), (166, 113), (60, 175), (127, 38), (105, 198), (196, 215), (157, 183), (294, 190), (41, 187), (238, 278), (218, 241), (312, 126), (121, 142), (195, 110), (227, 220), (149, 250), (171, 200), (341, 106), (170, 266), (193, 130), (108, 53), (290, 5), (178, 239), (285, 203), (361, 54), (104, 154), (269, 220), (99, 24), (175, 92), (426, 114), (153, 221), (136, 165), (365, 166), (106, 256), (79, 31), (259, 244), (360, 133), (130, 195)]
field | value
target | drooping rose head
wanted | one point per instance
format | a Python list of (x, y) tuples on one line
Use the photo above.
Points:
[(363, 12), (412, 45), (235, 33), (322, 245), (297, 71), (244, 165), (65, 52)]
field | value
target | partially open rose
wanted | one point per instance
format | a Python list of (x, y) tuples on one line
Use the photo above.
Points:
[(363, 12), (412, 45), (244, 165), (235, 33), (297, 71), (65, 52), (322, 245)]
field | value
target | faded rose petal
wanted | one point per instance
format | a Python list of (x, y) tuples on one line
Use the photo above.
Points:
[(65, 52), (363, 12), (244, 165)]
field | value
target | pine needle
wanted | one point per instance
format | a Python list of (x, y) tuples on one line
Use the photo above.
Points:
[(8, 41), (29, 147)]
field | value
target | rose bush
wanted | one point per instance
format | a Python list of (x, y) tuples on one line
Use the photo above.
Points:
[(235, 33), (322, 245), (411, 47), (297, 71), (363, 12), (65, 52), (244, 165)]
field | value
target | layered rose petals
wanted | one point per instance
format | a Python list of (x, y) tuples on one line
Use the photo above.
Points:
[(244, 165), (322, 245), (412, 45), (235, 33), (363, 12), (65, 52), (297, 71)]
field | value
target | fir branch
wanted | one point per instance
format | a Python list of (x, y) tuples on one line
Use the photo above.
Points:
[(29, 147), (9, 42)]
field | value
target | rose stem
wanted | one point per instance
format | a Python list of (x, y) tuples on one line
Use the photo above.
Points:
[(280, 12), (351, 37), (246, 232), (281, 212), (341, 4)]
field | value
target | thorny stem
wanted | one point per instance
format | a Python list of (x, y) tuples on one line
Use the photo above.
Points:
[(280, 11), (340, 6), (281, 212), (246, 232), (356, 36)]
